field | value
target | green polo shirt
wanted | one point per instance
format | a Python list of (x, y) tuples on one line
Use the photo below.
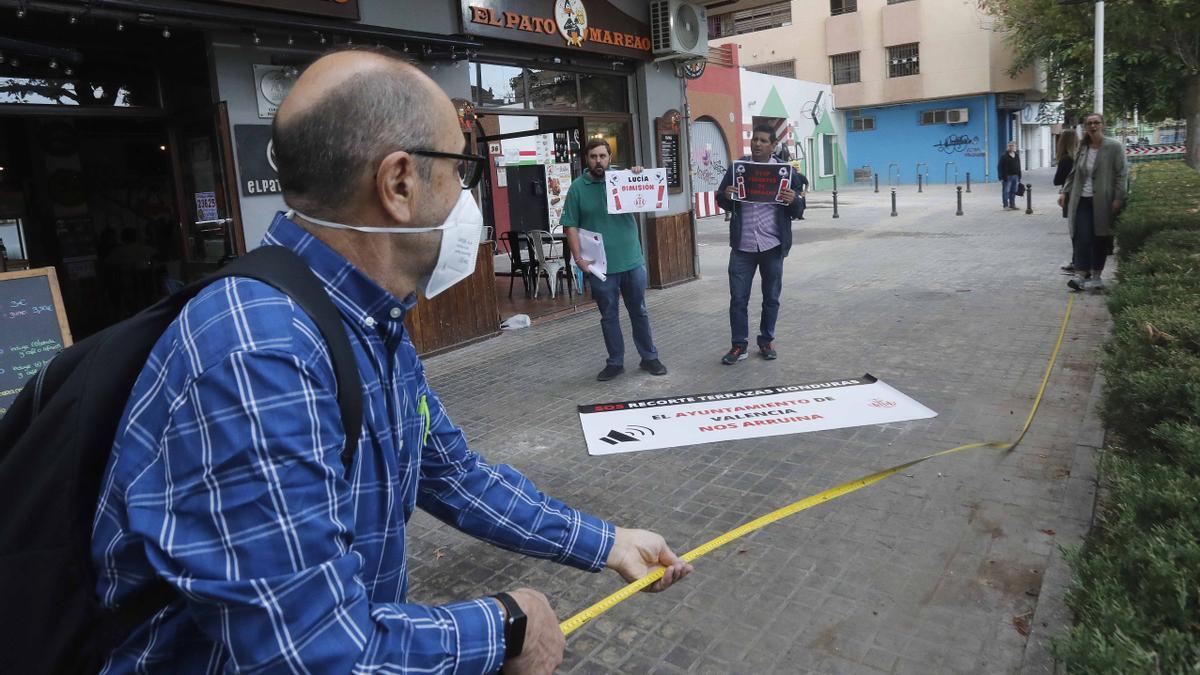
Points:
[(587, 207)]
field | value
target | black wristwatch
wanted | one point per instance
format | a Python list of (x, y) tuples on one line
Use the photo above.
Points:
[(514, 626)]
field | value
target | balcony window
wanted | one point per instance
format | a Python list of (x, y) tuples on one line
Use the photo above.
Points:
[(767, 17), (904, 60), (842, 7), (777, 68), (845, 68)]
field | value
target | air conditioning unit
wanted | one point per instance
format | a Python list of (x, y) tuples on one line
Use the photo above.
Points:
[(678, 30), (956, 116)]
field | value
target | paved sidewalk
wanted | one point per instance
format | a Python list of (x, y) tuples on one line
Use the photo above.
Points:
[(939, 569)]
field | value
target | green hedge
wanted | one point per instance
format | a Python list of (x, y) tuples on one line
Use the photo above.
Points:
[(1136, 581)]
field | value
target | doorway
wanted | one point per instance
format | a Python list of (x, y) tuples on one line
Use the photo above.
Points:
[(533, 159)]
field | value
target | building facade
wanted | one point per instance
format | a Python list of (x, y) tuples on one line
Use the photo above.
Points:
[(150, 120), (923, 85)]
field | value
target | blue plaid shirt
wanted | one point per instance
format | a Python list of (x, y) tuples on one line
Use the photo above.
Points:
[(226, 480)]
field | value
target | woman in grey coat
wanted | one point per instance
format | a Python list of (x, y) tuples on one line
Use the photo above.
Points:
[(1094, 193)]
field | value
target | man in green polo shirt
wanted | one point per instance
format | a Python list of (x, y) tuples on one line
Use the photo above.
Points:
[(587, 207)]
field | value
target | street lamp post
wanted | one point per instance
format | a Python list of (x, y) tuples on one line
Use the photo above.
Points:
[(1097, 54), (1098, 59)]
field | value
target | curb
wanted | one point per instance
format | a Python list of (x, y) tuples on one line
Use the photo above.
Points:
[(1051, 615)]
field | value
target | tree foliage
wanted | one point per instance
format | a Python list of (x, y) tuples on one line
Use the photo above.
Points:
[(1151, 54)]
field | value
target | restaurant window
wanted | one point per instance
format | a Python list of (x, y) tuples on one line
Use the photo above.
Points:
[(904, 60), (845, 68), (133, 88), (842, 6), (499, 86), (618, 135), (602, 93), (552, 89), (777, 68)]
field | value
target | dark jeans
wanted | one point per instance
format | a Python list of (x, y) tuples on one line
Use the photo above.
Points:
[(630, 285), (741, 277), (1009, 194), (1090, 250)]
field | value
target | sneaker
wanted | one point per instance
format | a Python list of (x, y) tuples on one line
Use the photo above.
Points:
[(1078, 283), (768, 351), (737, 353), (1095, 284), (610, 372), (654, 367), (1069, 267)]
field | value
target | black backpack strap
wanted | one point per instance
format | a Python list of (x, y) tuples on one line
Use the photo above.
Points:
[(286, 271)]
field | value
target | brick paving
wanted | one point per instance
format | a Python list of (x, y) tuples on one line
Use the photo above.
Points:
[(923, 572)]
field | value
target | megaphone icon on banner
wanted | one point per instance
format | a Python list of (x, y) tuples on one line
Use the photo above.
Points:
[(613, 437)]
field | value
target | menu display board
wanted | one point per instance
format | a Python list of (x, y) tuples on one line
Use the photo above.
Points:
[(33, 328), (668, 158)]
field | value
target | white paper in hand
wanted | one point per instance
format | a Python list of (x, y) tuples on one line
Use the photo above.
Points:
[(591, 249)]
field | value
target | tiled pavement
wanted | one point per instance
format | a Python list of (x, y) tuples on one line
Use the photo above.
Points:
[(930, 571)]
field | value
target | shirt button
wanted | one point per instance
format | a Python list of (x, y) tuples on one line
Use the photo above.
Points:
[(395, 312), (369, 321)]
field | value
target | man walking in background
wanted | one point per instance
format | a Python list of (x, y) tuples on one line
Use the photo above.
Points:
[(587, 207), (760, 236), (1009, 172)]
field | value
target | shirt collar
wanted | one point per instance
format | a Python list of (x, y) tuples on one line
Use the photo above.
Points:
[(355, 294), (586, 177)]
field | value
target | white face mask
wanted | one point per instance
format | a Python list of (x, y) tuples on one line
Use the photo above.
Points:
[(460, 242)]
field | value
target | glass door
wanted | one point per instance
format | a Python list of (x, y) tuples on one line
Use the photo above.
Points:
[(208, 225)]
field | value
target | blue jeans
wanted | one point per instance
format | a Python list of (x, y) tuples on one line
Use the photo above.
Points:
[(631, 286), (741, 277), (1009, 195)]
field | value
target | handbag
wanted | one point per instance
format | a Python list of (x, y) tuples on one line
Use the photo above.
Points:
[(1020, 189)]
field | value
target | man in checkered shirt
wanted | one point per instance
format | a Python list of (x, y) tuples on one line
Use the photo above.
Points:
[(226, 479)]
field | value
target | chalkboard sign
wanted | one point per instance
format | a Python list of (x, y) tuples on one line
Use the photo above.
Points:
[(668, 158), (33, 328)]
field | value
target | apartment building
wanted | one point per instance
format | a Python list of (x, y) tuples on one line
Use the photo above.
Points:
[(923, 85)]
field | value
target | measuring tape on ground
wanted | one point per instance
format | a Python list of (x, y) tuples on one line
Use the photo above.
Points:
[(576, 622)]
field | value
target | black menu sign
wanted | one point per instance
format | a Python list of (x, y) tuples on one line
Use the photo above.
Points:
[(33, 328), (667, 132), (668, 158)]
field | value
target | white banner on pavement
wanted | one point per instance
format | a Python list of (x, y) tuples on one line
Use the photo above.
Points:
[(630, 192), (653, 424)]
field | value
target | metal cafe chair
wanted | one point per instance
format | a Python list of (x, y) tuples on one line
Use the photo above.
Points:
[(515, 242), (551, 262)]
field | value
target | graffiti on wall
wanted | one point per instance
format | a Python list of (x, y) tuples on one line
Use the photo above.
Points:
[(957, 143), (707, 168), (1042, 112)]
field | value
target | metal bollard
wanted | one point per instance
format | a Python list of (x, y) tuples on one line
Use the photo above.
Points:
[(835, 182), (920, 185), (877, 183), (835, 213), (968, 181), (958, 189), (1029, 199), (893, 201)]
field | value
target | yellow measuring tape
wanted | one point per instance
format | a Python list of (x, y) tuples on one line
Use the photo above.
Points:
[(574, 623)]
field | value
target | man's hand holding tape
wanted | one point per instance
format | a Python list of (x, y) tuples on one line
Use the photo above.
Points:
[(635, 553)]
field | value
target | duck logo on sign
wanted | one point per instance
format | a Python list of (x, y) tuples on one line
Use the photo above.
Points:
[(571, 17)]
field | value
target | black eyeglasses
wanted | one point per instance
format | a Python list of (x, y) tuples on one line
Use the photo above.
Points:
[(470, 167)]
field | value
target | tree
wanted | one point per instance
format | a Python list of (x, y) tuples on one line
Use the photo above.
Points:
[(1151, 54)]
